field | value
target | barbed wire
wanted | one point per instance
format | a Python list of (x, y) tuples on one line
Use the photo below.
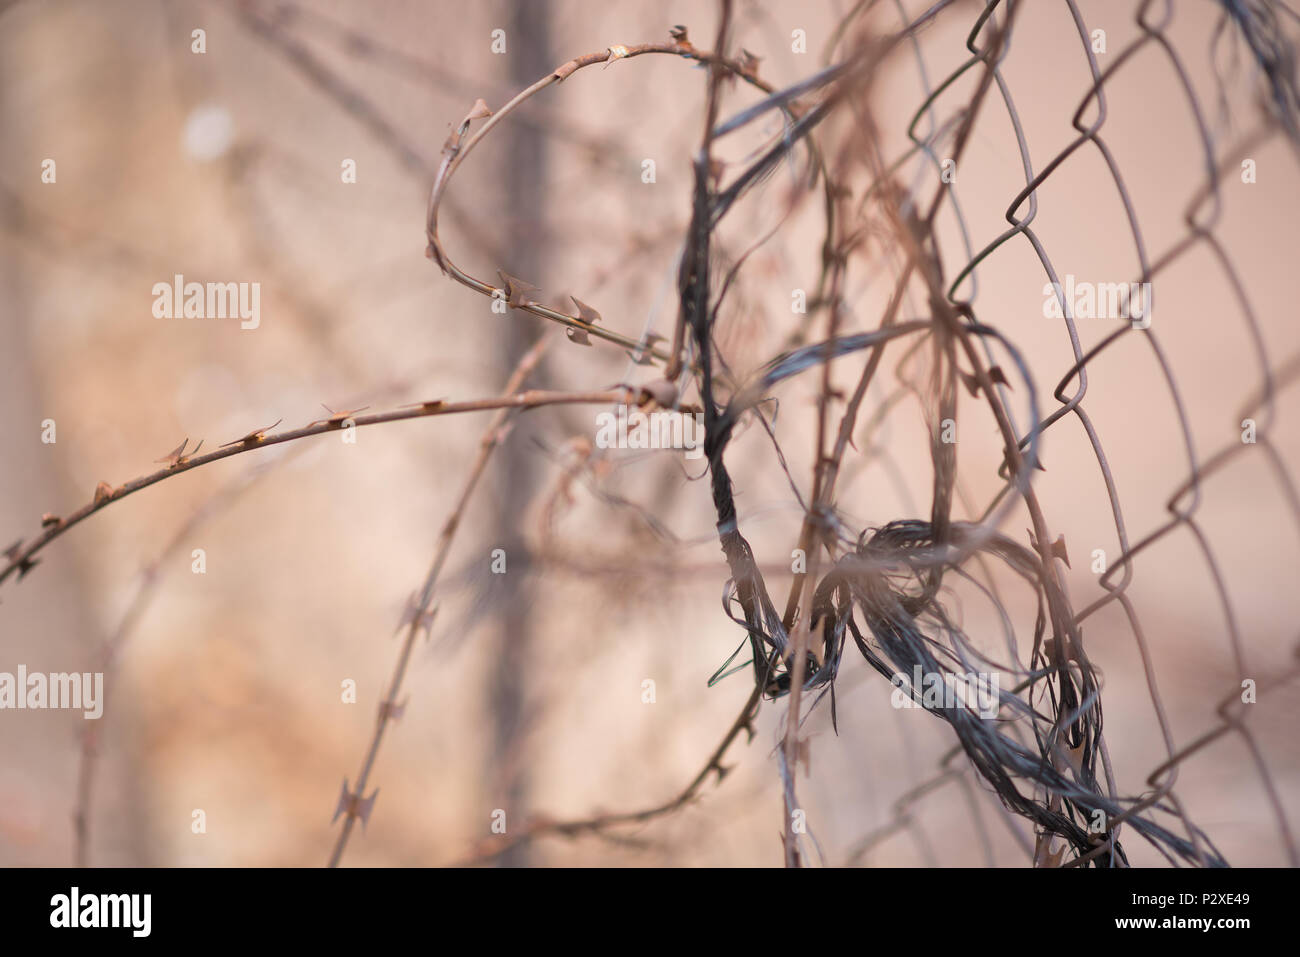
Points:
[(1039, 743)]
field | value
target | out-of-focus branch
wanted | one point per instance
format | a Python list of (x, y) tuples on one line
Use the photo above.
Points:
[(149, 579)]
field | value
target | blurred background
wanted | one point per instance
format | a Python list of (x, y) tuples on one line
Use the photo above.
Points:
[(225, 692)]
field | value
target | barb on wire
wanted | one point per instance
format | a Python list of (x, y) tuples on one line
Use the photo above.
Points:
[(419, 614)]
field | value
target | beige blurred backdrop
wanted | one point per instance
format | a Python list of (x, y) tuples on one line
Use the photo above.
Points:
[(226, 694)]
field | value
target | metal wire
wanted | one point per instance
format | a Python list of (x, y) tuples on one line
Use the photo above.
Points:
[(1260, 27)]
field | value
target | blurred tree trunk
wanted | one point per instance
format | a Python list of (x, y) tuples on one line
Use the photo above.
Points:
[(529, 53)]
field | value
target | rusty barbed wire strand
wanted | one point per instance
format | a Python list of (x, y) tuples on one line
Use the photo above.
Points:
[(457, 147), (22, 556), (419, 612)]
